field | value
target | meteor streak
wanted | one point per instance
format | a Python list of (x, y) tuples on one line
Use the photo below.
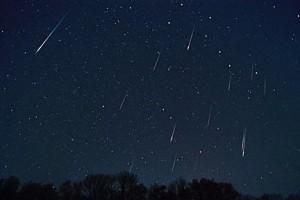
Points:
[(157, 60), (244, 142), (265, 87), (190, 40), (173, 132), (229, 82), (123, 101), (174, 163), (209, 117), (53, 30)]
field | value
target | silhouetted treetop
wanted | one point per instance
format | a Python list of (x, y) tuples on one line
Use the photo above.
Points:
[(125, 186)]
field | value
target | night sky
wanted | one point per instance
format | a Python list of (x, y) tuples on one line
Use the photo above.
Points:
[(161, 88)]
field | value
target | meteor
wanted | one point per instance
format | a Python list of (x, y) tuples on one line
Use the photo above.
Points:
[(244, 142), (174, 163), (53, 30), (209, 117), (229, 82), (157, 60), (121, 106), (190, 40), (173, 132), (265, 87)]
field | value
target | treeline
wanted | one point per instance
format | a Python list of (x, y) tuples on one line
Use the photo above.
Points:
[(125, 186)]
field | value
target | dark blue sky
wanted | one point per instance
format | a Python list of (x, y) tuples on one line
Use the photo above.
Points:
[(88, 100)]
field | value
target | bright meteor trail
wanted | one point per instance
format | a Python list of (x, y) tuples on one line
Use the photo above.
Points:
[(173, 132), (190, 40), (244, 142), (53, 30)]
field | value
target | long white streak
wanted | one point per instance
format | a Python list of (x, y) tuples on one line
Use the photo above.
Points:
[(209, 117), (244, 142), (123, 101), (190, 40), (252, 73), (229, 82), (173, 132), (157, 60), (265, 87), (57, 25), (174, 163)]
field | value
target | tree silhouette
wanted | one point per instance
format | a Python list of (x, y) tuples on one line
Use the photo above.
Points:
[(9, 188), (128, 187), (125, 186), (179, 190), (271, 197), (157, 192), (66, 191), (36, 191), (96, 187), (294, 197), (210, 190), (69, 191), (247, 197), (227, 191)]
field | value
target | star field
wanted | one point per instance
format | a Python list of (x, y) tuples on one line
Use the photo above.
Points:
[(163, 89)]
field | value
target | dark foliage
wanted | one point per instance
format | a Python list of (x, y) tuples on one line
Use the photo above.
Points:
[(125, 186)]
